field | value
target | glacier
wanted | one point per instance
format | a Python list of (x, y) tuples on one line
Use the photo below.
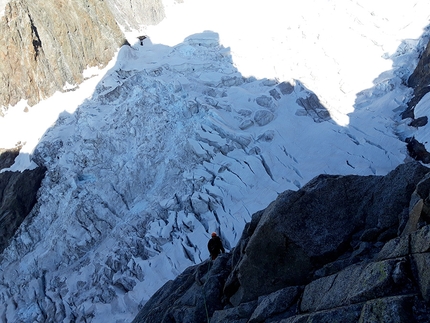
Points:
[(188, 134)]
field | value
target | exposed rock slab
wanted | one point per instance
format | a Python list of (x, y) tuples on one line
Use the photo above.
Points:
[(354, 284), (275, 303), (388, 310)]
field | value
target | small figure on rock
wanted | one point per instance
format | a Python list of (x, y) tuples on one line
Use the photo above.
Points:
[(215, 246), (142, 38)]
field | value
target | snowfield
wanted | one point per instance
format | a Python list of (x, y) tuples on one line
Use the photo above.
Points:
[(224, 106)]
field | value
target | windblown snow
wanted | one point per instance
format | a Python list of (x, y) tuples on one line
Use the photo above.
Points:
[(224, 106)]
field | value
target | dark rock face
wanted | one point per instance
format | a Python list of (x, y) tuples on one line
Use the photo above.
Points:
[(7, 157), (417, 150), (18, 195), (419, 81), (342, 248)]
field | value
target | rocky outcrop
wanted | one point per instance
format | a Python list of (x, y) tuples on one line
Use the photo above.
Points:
[(18, 195), (419, 81), (7, 157), (314, 108), (417, 150), (48, 44), (341, 249)]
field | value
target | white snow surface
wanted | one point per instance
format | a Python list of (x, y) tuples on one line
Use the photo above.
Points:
[(2, 7), (195, 131)]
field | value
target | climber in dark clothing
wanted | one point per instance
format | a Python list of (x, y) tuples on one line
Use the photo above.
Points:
[(215, 246)]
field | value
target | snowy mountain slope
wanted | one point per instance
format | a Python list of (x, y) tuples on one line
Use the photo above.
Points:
[(179, 140)]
